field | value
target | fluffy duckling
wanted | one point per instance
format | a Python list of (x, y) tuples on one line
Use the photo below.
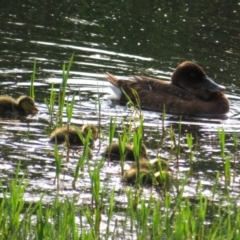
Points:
[(24, 105), (155, 164), (61, 134), (113, 152), (150, 173)]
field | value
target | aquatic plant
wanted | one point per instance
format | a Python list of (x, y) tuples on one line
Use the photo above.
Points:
[(32, 79)]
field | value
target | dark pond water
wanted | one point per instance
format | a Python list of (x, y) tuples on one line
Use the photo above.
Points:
[(124, 38)]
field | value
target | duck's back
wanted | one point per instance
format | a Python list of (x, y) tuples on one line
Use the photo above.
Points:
[(172, 99)]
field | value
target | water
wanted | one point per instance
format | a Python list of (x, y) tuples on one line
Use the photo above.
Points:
[(124, 39)]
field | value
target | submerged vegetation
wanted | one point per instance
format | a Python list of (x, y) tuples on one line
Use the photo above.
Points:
[(166, 213)]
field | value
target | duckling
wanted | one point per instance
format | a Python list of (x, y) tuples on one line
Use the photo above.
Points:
[(150, 173), (113, 152), (60, 134), (24, 105), (155, 164)]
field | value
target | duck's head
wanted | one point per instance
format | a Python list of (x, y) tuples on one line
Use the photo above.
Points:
[(27, 105), (190, 76), (92, 128)]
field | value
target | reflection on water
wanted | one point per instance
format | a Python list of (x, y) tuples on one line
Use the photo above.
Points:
[(123, 39)]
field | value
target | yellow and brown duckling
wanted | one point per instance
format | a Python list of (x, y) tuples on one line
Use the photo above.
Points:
[(155, 164), (113, 152), (60, 135), (154, 172), (24, 105)]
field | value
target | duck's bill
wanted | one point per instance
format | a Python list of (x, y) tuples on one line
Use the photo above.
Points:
[(35, 110), (210, 84)]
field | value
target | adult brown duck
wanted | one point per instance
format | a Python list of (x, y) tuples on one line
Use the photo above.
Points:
[(189, 92), (24, 105)]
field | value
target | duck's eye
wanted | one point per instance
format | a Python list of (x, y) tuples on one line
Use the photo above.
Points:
[(193, 75)]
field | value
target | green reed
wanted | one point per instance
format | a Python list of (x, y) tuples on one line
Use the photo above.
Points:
[(97, 193), (14, 205), (63, 86), (163, 118), (176, 145), (50, 105), (137, 100), (32, 94), (132, 204), (56, 119), (227, 171), (226, 160), (143, 214), (58, 163), (98, 107), (137, 148), (123, 139), (221, 136), (170, 217), (137, 140), (110, 212), (69, 111), (130, 102), (215, 186), (112, 128), (189, 138), (236, 143), (179, 139), (83, 157), (111, 132)]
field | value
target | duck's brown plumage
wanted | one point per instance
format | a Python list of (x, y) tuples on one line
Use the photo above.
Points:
[(189, 92), (24, 105)]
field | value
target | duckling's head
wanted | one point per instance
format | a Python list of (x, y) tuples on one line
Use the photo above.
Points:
[(160, 164), (92, 128), (190, 76), (27, 105), (164, 179)]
